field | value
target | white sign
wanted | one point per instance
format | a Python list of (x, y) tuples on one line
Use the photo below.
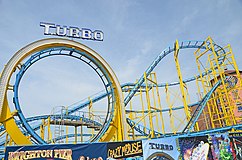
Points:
[(72, 32), (162, 147)]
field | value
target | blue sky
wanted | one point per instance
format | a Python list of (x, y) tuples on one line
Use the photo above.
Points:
[(135, 32)]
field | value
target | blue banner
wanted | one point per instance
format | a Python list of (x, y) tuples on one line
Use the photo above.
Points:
[(94, 151)]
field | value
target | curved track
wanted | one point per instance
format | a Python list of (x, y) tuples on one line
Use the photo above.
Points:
[(115, 120), (41, 49), (162, 55)]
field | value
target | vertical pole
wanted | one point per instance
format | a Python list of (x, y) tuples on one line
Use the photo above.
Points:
[(131, 117), (159, 104), (42, 129), (149, 107), (67, 126), (182, 85), (49, 131), (154, 99), (204, 83), (143, 108), (91, 116), (75, 135), (81, 133), (170, 109)]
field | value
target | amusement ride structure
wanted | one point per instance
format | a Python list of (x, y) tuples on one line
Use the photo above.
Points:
[(207, 102)]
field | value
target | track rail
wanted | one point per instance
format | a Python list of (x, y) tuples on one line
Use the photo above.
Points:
[(162, 55), (115, 120), (115, 112)]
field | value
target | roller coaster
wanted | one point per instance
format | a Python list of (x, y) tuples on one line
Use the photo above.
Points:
[(207, 102)]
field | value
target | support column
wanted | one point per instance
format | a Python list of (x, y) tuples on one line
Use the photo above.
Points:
[(182, 85)]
